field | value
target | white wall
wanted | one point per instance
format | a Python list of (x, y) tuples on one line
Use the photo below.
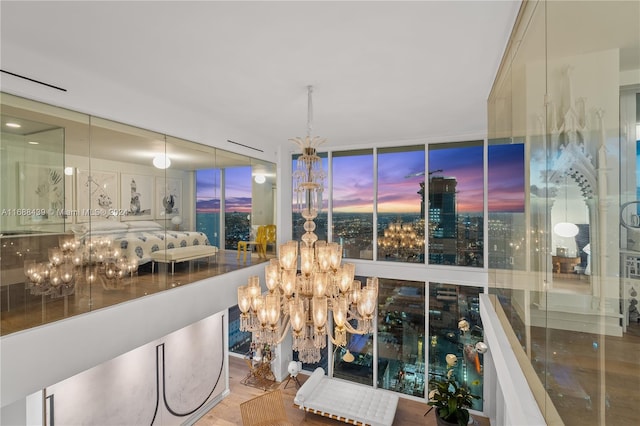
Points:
[(183, 370)]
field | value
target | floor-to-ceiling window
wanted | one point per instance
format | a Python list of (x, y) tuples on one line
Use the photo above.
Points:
[(393, 357), (454, 329), (352, 202), (400, 204), (239, 341), (456, 204), (505, 193), (237, 204), (208, 203), (401, 336)]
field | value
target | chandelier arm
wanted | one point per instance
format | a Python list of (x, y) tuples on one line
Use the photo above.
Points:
[(352, 330), (334, 341), (353, 314)]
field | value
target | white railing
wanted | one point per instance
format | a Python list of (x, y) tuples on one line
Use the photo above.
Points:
[(509, 399)]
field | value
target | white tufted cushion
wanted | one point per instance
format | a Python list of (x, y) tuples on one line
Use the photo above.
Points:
[(353, 401), (307, 389)]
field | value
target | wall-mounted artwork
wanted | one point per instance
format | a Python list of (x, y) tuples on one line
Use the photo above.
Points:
[(42, 194), (97, 195), (168, 197), (136, 197)]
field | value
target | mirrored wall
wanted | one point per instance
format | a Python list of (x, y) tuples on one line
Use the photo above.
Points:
[(95, 212)]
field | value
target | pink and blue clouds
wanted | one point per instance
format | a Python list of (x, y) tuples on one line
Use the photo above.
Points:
[(399, 178), (465, 164), (506, 178), (237, 190)]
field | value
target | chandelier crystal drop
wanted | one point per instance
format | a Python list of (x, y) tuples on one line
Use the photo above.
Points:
[(322, 291)]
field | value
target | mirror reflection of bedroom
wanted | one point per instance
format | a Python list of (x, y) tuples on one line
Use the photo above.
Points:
[(570, 259), (630, 208), (95, 212)]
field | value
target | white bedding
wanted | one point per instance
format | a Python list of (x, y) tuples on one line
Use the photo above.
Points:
[(345, 401), (138, 240)]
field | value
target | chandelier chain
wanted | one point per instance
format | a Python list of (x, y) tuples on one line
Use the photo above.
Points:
[(309, 110)]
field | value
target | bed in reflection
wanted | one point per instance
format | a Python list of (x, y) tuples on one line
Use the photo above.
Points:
[(137, 240)]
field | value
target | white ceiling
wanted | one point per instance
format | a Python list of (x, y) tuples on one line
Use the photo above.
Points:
[(382, 71)]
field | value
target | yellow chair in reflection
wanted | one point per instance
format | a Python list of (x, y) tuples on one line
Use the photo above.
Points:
[(271, 238), (260, 243)]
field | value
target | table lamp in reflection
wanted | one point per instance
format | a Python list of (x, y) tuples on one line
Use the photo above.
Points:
[(176, 221)]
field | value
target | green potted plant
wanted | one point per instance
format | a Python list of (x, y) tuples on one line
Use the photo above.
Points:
[(451, 399)]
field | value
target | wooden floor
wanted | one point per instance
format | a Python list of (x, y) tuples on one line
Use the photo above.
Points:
[(21, 311), (227, 412)]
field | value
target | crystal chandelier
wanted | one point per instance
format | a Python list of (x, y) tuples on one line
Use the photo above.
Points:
[(301, 300), (107, 265), (62, 273)]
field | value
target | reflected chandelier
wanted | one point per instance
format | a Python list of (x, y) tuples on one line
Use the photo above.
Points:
[(401, 240), (302, 300)]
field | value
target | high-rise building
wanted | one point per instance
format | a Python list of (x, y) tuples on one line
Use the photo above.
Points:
[(442, 220)]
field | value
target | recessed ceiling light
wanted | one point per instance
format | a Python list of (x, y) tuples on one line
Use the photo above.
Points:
[(259, 178), (68, 171), (14, 125), (34, 143)]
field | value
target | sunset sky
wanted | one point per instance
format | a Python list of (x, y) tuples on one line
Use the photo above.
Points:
[(464, 164), (237, 191), (399, 177), (506, 178)]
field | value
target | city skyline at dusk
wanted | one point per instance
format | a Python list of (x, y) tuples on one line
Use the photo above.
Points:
[(399, 177)]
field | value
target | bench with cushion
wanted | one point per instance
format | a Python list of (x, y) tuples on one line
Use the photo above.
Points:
[(181, 254), (347, 402)]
